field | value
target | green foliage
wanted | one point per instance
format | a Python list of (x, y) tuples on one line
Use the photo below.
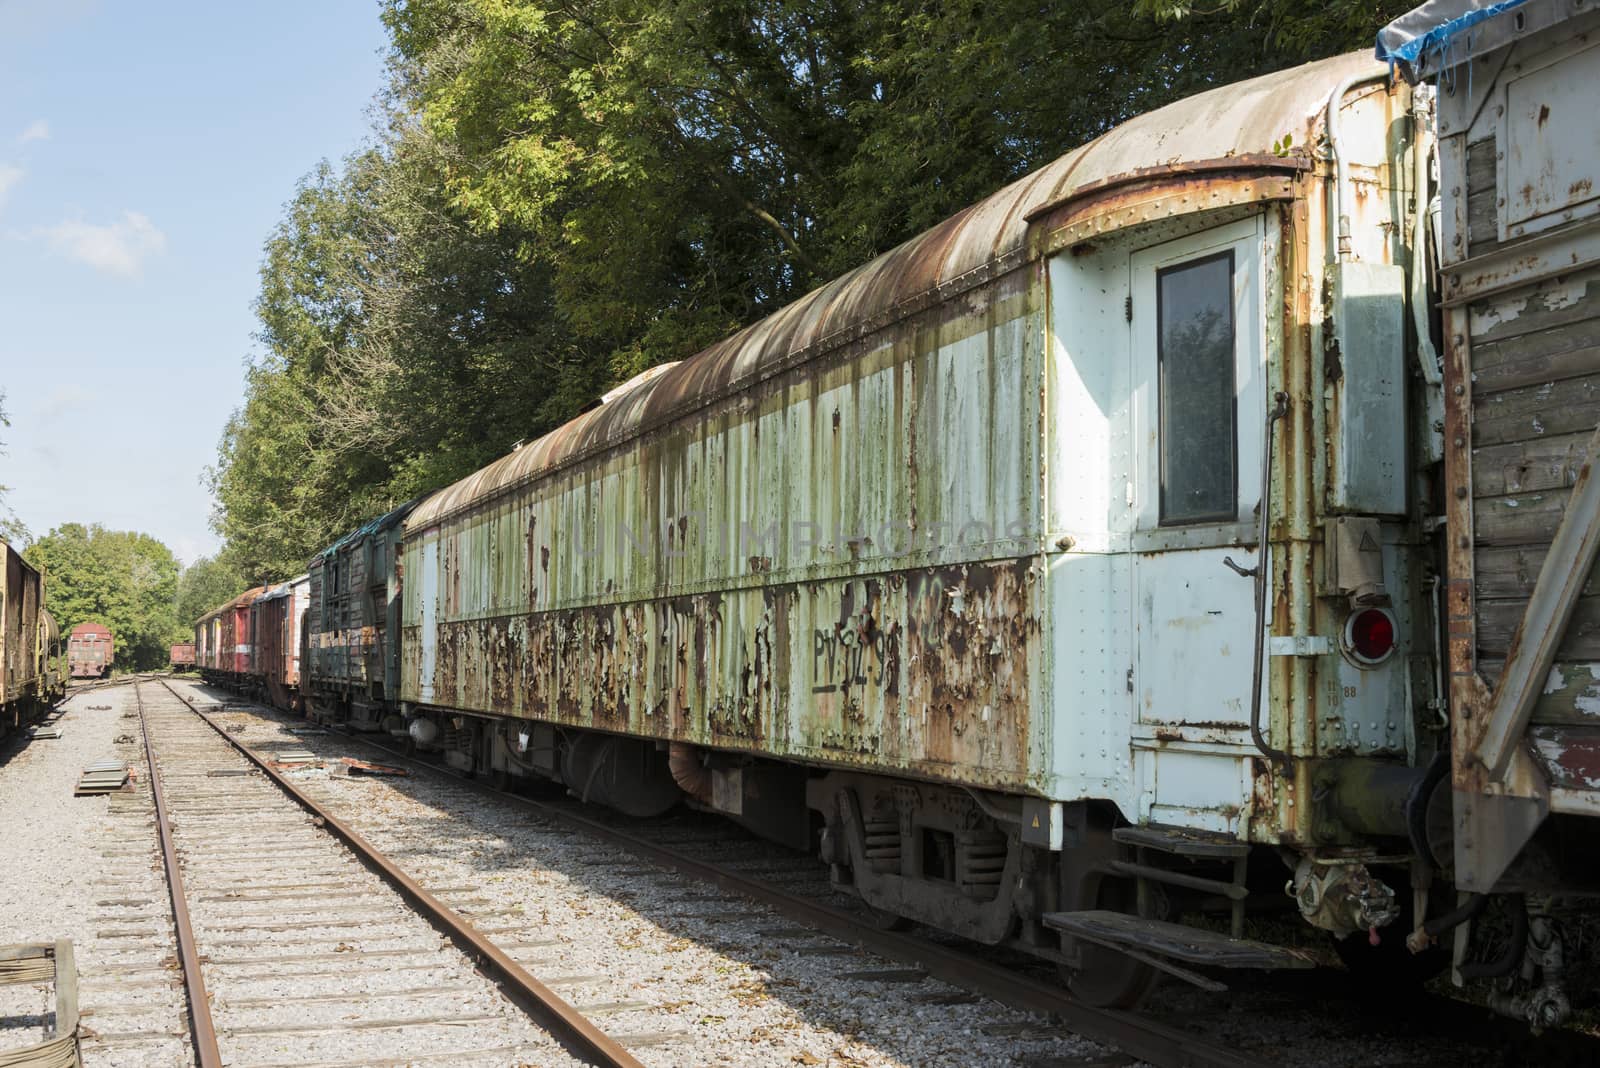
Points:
[(127, 581), (205, 584), (563, 194)]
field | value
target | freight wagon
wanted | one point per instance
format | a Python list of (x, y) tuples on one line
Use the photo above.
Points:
[(182, 656), (1519, 249), (277, 618), (1085, 572), (31, 678), (224, 643), (91, 651)]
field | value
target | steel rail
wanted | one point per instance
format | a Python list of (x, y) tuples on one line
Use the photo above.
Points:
[(1157, 1043), (207, 1055), (538, 1000)]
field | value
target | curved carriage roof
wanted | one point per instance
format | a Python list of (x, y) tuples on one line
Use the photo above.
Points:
[(240, 601), (1242, 119), (98, 629)]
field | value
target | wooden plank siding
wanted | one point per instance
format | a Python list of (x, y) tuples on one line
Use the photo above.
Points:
[(1536, 402)]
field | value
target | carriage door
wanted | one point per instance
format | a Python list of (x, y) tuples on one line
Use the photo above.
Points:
[(428, 595), (1197, 323)]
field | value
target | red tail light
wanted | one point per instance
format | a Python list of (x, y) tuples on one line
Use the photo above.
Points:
[(1369, 636)]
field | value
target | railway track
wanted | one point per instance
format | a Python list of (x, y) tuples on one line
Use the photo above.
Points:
[(783, 890), (298, 944)]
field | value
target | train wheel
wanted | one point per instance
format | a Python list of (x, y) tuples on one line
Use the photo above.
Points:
[(1105, 978)]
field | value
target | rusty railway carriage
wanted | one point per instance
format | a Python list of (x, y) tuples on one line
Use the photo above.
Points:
[(1059, 574), (224, 641), (353, 609), (278, 616), (31, 673), (181, 657), (91, 651), (1073, 576)]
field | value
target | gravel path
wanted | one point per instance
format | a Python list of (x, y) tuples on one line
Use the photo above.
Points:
[(704, 978), (86, 868)]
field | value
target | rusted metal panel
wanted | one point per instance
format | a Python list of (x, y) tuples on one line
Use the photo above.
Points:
[(859, 586)]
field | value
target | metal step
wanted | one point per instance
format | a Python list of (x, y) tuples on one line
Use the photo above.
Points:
[(1192, 945), (1201, 845)]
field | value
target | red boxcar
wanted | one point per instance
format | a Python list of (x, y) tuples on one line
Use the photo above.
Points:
[(279, 615), (182, 657), (90, 651), (225, 641)]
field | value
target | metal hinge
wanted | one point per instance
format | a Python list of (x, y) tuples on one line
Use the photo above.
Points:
[(1127, 307)]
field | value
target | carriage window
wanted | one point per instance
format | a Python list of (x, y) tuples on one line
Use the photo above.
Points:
[(1195, 348)]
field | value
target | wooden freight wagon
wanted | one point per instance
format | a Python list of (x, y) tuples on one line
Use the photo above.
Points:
[(1519, 252), (182, 656)]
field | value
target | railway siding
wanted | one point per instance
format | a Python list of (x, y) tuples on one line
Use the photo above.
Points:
[(699, 975), (309, 957)]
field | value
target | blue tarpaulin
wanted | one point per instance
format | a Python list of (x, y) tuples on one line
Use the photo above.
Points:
[(1435, 32)]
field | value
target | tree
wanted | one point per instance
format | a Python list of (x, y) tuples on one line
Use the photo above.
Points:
[(565, 192), (402, 350), (209, 582), (124, 580)]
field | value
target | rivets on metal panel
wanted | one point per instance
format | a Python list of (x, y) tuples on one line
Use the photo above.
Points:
[(1460, 389), (1461, 442), (1461, 491), (1466, 711), (1464, 541), (1455, 279)]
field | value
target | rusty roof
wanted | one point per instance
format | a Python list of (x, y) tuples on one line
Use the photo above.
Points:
[(240, 601), (1243, 119)]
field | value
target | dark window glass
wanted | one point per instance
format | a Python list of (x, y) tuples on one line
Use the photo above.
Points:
[(1195, 346)]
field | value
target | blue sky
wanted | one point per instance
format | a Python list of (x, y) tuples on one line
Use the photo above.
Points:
[(146, 152)]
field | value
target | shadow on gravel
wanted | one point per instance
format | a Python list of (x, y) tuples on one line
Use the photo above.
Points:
[(1317, 1018)]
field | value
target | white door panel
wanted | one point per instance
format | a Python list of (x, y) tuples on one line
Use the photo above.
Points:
[(430, 617), (1197, 367)]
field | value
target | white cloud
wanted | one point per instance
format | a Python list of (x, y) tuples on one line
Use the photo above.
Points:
[(117, 248), (9, 177), (38, 130)]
